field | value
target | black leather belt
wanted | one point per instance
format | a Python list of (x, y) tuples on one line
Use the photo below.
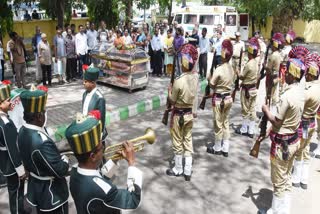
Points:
[(222, 95)]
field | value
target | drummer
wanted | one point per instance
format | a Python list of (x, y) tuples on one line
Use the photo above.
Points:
[(10, 162)]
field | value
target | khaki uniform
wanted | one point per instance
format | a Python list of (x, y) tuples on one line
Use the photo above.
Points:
[(237, 46), (249, 90), (289, 110), (222, 80), (312, 102), (273, 67), (183, 94)]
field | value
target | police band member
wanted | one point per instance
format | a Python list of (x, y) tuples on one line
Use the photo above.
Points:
[(238, 45), (92, 190), (262, 49), (92, 98), (273, 67), (47, 186), (248, 89), (10, 162), (221, 82), (290, 37), (284, 136), (182, 96), (307, 125)]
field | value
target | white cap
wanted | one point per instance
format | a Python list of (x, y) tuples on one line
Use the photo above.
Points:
[(43, 35), (237, 33)]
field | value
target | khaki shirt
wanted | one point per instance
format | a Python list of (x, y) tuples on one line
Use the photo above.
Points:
[(290, 109), (250, 72), (274, 62), (184, 90), (312, 99), (223, 78), (44, 53), (237, 48), (17, 52)]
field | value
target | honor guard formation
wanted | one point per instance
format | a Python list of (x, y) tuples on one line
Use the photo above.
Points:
[(290, 115)]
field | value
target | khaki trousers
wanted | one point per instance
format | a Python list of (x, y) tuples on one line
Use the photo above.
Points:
[(248, 104), (221, 121), (303, 153), (235, 64), (182, 136), (281, 170)]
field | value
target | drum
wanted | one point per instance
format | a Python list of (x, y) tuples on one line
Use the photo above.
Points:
[(16, 112)]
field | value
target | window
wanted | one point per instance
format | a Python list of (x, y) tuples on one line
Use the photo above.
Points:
[(190, 19), (206, 19), (178, 18)]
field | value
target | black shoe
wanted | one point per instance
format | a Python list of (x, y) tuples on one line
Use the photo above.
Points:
[(250, 135), (304, 186), (296, 185), (218, 152), (210, 150), (238, 131), (170, 172), (187, 177), (225, 154), (317, 156)]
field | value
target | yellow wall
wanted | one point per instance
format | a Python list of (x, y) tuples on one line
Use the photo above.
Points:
[(308, 30), (27, 29)]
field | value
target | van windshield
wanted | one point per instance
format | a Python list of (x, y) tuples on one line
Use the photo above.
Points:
[(178, 18), (190, 19)]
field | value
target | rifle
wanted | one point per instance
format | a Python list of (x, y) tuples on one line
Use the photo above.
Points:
[(207, 90), (236, 83), (263, 124), (168, 109), (262, 73)]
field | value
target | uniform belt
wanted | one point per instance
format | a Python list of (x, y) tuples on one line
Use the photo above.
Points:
[(310, 120), (236, 57), (289, 138), (3, 148), (222, 95), (42, 178), (180, 111), (248, 86)]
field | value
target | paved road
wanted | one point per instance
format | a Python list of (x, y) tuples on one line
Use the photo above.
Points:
[(218, 185)]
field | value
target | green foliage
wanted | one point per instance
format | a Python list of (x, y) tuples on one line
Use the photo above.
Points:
[(145, 4), (108, 11), (6, 18), (164, 5)]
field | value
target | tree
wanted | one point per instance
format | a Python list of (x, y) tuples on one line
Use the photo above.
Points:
[(104, 10), (6, 18), (283, 11)]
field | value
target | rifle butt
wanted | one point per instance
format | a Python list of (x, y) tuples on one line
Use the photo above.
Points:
[(165, 117), (203, 103), (254, 152)]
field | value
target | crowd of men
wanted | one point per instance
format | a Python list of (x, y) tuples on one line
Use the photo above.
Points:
[(292, 107)]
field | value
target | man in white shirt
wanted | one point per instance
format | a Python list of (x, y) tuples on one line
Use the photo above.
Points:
[(204, 46), (238, 45), (156, 45), (92, 35), (81, 48)]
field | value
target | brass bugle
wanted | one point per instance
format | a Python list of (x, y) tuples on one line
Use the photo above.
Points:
[(113, 152)]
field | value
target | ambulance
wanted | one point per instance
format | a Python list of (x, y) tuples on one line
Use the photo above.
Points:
[(210, 17)]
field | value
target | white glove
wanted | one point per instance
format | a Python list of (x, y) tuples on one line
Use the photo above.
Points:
[(130, 185), (65, 159)]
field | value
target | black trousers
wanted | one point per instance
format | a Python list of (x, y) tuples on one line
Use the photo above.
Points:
[(217, 60), (61, 210), (2, 65), (16, 193), (203, 64), (46, 74), (157, 63), (82, 60), (71, 70)]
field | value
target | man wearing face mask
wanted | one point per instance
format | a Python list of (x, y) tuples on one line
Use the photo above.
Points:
[(47, 186), (10, 162)]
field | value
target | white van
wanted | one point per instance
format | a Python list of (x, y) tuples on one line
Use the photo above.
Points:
[(210, 17)]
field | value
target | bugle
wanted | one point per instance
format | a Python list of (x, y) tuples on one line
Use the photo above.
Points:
[(113, 152)]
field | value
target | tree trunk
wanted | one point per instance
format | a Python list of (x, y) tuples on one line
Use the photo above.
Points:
[(282, 22), (170, 11), (60, 11), (128, 12), (253, 26)]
